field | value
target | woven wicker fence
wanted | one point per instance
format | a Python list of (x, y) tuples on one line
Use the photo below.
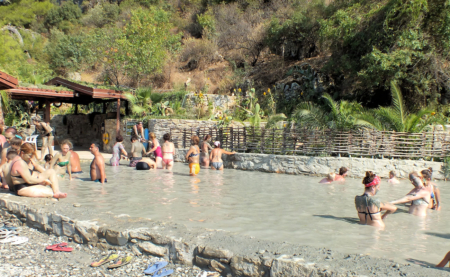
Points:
[(359, 143)]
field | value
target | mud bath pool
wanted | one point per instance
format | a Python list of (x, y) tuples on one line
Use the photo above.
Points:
[(275, 207)]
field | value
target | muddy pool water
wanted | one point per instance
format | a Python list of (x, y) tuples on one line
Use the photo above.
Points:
[(277, 207)]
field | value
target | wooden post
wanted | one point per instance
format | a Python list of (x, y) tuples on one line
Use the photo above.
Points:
[(47, 111), (104, 107), (127, 108), (76, 108), (231, 139), (118, 118)]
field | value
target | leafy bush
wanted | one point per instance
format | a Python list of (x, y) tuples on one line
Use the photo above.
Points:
[(199, 52), (67, 13), (24, 12), (101, 15)]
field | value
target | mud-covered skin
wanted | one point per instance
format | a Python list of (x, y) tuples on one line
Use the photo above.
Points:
[(365, 204), (361, 202)]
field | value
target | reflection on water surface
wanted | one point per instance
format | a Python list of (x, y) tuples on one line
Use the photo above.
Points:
[(274, 207)]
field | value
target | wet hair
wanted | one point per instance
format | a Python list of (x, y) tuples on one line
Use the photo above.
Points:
[(119, 138), (66, 141), (343, 170), (96, 145), (11, 130), (370, 176), (28, 148), (414, 177), (331, 176), (166, 137), (152, 135), (11, 154), (392, 173), (48, 157), (134, 138), (16, 140), (427, 173), (195, 140), (207, 137)]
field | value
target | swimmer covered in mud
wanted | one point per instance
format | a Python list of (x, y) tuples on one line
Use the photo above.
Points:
[(419, 197), (432, 188), (369, 208)]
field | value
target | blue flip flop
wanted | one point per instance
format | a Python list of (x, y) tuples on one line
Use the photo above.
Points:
[(155, 267), (164, 272)]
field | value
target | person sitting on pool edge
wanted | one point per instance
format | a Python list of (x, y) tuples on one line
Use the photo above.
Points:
[(329, 179), (192, 156), (392, 178), (419, 196), (146, 164), (32, 184), (97, 165), (343, 171), (216, 156), (368, 207)]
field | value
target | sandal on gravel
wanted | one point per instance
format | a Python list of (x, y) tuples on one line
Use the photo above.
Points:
[(51, 247), (18, 240), (121, 262), (62, 249), (155, 267), (106, 259), (164, 272)]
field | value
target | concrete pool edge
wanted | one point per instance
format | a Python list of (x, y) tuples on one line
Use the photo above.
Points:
[(214, 249)]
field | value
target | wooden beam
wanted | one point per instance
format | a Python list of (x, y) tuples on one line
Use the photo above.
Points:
[(118, 118), (47, 111)]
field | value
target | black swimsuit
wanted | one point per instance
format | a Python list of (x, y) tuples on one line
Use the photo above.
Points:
[(367, 207), (20, 186)]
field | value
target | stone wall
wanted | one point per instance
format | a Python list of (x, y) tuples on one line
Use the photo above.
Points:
[(219, 102), (323, 165), (110, 128), (78, 128)]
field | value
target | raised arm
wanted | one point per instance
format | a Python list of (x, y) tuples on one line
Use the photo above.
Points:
[(409, 198), (228, 153), (54, 160), (389, 208)]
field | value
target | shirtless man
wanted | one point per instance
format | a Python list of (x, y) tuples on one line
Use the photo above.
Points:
[(74, 161), (9, 134), (343, 171), (368, 207), (216, 156), (138, 131), (97, 165)]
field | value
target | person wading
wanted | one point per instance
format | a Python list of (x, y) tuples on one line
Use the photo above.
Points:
[(368, 207), (205, 147), (97, 165), (168, 150), (192, 156), (216, 156), (419, 197), (61, 161)]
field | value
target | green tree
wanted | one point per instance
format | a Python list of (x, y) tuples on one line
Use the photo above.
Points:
[(141, 103), (23, 12)]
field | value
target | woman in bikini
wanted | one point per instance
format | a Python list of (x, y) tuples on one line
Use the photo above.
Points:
[(157, 149), (204, 154), (216, 156), (419, 197), (368, 207), (32, 184), (432, 188), (118, 149), (168, 150), (61, 161), (46, 132), (192, 156)]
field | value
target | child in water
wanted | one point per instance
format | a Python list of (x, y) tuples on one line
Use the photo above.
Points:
[(47, 159), (330, 178), (392, 179)]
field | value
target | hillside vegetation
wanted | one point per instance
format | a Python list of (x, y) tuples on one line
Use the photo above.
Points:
[(350, 50)]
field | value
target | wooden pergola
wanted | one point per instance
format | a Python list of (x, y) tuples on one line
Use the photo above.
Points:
[(75, 94)]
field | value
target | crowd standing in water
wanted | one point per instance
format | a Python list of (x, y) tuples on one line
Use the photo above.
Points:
[(21, 171)]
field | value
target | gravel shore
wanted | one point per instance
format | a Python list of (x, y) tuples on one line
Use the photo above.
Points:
[(31, 259)]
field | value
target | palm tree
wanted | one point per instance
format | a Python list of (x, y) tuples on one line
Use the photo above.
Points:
[(141, 103), (340, 115), (397, 117)]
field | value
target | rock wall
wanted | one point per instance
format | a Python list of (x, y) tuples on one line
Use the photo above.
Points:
[(219, 102), (323, 165), (110, 128), (80, 129)]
